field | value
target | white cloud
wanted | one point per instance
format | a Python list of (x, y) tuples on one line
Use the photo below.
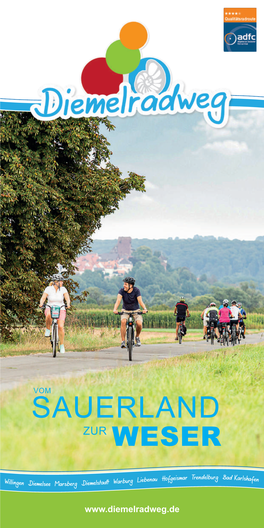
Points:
[(143, 199), (250, 120), (150, 185), (203, 127), (228, 147)]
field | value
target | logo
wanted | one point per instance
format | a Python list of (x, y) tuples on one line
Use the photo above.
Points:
[(230, 38), (123, 83), (240, 29), (103, 76)]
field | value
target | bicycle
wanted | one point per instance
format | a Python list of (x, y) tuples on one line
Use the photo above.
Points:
[(181, 331), (54, 334), (211, 332), (241, 331), (130, 332), (225, 335), (233, 335)]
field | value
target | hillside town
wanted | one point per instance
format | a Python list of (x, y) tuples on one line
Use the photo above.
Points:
[(117, 262)]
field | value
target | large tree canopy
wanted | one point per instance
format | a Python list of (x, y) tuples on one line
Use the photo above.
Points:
[(58, 183)]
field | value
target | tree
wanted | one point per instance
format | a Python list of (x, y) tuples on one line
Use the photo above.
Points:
[(58, 183), (142, 253)]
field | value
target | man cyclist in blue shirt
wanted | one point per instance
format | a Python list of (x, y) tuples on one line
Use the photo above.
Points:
[(131, 300), (242, 321)]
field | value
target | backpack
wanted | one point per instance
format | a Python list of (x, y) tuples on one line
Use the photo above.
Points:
[(183, 330), (213, 315)]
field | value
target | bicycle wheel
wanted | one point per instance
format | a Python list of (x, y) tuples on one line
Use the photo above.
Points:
[(212, 336), (233, 335), (130, 342), (54, 338), (180, 336)]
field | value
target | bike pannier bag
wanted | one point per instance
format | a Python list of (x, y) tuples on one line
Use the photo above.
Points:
[(55, 312)]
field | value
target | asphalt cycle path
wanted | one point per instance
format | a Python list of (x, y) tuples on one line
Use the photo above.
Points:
[(21, 369)]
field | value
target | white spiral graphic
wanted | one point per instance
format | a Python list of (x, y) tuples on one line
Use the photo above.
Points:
[(152, 79)]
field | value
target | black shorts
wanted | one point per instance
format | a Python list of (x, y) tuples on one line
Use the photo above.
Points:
[(213, 323), (223, 324), (241, 323), (180, 319)]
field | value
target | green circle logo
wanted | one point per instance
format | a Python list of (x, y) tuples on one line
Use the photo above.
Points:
[(121, 59)]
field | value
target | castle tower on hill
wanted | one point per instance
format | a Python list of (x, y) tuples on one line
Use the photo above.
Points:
[(124, 247), (121, 250)]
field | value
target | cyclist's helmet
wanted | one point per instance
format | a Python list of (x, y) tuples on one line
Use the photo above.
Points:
[(225, 301), (212, 304), (57, 277), (239, 305), (129, 280), (182, 298), (233, 302)]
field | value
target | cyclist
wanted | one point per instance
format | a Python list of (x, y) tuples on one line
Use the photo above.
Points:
[(242, 321), (55, 293), (224, 315), (205, 320), (131, 299), (181, 309), (236, 315), (212, 315), (224, 302)]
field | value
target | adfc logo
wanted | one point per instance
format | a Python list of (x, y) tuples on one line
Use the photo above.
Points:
[(123, 63)]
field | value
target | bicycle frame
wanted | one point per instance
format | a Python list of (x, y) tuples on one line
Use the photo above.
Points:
[(241, 330), (224, 334), (54, 334), (130, 332), (233, 334), (211, 332), (180, 328)]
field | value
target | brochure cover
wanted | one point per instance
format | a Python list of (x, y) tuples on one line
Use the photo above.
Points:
[(134, 121)]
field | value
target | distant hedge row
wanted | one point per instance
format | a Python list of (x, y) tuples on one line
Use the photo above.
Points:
[(107, 318)]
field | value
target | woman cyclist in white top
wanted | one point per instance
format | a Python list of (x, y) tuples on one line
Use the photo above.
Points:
[(56, 294), (236, 315)]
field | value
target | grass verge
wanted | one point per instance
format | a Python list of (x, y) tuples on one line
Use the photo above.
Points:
[(234, 377)]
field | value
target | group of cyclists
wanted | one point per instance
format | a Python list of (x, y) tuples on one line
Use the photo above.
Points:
[(57, 295), (224, 315)]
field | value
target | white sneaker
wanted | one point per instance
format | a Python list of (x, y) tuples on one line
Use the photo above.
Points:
[(62, 349), (47, 333)]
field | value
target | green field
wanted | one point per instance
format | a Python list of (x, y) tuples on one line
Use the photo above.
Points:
[(234, 377), (163, 319)]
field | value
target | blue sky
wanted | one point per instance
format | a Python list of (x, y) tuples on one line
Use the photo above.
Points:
[(200, 180)]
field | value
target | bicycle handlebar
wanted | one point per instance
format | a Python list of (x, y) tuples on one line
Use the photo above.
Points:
[(131, 313), (48, 306)]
